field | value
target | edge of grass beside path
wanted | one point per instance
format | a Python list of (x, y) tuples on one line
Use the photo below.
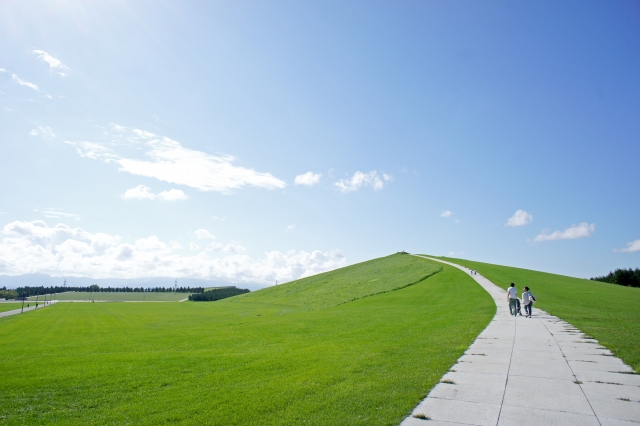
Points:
[(10, 306), (608, 312), (366, 362)]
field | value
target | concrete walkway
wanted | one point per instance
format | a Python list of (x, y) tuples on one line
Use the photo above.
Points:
[(31, 308), (531, 371)]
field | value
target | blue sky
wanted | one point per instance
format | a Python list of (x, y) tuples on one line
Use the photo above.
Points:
[(255, 141)]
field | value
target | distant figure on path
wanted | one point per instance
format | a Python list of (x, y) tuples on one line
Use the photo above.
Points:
[(512, 298), (528, 299)]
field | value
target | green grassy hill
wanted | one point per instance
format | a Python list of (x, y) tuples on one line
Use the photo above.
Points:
[(345, 284), (608, 312), (292, 354)]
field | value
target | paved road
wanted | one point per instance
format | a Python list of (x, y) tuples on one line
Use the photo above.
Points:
[(532, 371), (31, 308)]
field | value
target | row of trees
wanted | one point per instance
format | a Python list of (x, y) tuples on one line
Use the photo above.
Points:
[(217, 294), (33, 291), (8, 294), (628, 277)]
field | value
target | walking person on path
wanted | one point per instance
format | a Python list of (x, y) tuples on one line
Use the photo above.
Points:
[(512, 298), (527, 300)]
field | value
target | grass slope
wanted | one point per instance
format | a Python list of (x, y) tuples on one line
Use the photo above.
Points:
[(10, 306), (116, 297), (366, 362), (608, 312), (345, 284)]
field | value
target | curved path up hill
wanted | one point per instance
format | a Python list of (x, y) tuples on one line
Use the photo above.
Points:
[(531, 371)]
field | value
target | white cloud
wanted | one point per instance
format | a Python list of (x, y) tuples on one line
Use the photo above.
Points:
[(582, 230), (31, 247), (194, 246), (52, 213), (232, 247), (142, 192), (203, 234), (446, 213), (24, 83), (218, 217), (54, 64), (43, 131), (169, 161), (360, 179), (632, 247), (520, 218), (175, 245), (308, 179), (289, 227)]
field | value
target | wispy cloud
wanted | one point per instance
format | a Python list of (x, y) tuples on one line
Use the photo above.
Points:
[(24, 83), (54, 64), (142, 192), (289, 227), (169, 161), (360, 180), (632, 247), (53, 213), (446, 213), (308, 179), (583, 230), (30, 247), (520, 218), (44, 132), (219, 217)]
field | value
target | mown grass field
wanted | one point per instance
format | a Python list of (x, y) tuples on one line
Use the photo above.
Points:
[(116, 296), (608, 312), (9, 306), (276, 357)]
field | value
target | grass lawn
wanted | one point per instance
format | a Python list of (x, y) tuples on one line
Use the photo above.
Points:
[(608, 312), (117, 297), (10, 306), (259, 359)]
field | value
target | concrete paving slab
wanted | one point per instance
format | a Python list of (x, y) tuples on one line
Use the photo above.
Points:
[(523, 416), (600, 359), (608, 377), (486, 391), (615, 422), (539, 368), (482, 367), (558, 395), (471, 413), (595, 390), (598, 366), (412, 421), (486, 359), (616, 409)]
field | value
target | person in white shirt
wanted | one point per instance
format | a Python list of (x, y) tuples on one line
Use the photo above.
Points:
[(527, 301), (512, 298)]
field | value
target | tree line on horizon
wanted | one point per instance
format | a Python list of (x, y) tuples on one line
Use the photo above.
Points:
[(217, 294), (8, 294), (28, 291), (627, 277)]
